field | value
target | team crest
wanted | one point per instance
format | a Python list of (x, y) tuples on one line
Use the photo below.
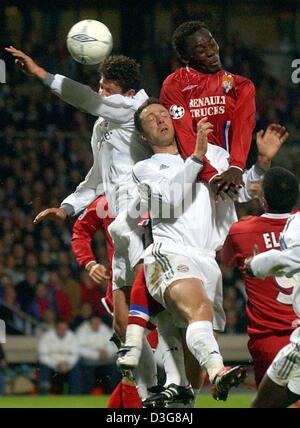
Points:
[(183, 268), (177, 112), (227, 82)]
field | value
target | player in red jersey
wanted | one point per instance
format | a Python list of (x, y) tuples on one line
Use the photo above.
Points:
[(93, 219), (202, 88), (269, 306)]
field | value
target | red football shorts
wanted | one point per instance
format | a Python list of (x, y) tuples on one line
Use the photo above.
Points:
[(263, 351)]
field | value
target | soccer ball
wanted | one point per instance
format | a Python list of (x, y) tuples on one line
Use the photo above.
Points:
[(89, 42)]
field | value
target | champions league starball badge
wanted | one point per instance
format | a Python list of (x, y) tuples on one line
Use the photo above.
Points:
[(177, 112)]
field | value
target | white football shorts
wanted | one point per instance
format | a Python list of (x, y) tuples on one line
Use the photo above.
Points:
[(164, 264), (285, 368), (128, 249)]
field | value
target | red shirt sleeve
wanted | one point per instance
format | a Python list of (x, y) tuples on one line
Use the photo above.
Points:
[(82, 234), (229, 252), (170, 95), (242, 124)]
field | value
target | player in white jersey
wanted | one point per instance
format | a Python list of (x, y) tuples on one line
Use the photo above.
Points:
[(115, 149), (280, 386), (188, 226)]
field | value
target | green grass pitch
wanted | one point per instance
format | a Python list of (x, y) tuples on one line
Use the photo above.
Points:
[(60, 401)]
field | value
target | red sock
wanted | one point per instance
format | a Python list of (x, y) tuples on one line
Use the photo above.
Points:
[(152, 338), (116, 398), (142, 304), (131, 398)]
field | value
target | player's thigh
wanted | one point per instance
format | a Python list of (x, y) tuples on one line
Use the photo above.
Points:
[(271, 395), (187, 296)]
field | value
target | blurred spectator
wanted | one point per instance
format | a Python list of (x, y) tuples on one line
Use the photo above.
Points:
[(91, 293), (70, 287), (59, 353), (26, 289), (10, 312), (85, 313), (41, 301), (49, 317), (60, 299), (3, 367), (97, 355)]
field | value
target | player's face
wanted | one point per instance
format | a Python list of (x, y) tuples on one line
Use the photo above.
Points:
[(157, 125), (109, 87), (203, 52)]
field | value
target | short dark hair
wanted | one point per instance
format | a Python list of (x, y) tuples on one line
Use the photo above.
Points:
[(182, 32), (281, 189), (137, 114), (123, 70)]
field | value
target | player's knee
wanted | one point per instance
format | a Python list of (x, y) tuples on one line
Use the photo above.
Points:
[(202, 312)]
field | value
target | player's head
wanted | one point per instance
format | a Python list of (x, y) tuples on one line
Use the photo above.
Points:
[(154, 124), (196, 47), (280, 190), (119, 75)]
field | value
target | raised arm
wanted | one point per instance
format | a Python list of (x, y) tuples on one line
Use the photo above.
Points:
[(268, 144), (115, 107), (83, 232)]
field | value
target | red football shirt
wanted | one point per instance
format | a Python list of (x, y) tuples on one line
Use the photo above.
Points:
[(227, 100), (95, 217), (269, 306)]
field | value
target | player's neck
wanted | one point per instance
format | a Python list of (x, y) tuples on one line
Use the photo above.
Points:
[(170, 150)]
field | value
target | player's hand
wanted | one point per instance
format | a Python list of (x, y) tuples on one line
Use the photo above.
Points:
[(232, 190), (270, 141), (230, 180), (55, 213), (203, 129), (26, 64), (97, 272)]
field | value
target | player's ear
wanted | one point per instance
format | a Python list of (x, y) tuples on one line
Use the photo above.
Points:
[(142, 137)]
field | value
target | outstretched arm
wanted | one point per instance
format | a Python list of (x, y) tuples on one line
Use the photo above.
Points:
[(117, 107)]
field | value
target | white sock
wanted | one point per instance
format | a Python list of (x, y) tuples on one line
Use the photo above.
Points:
[(145, 374), (134, 335), (203, 345), (170, 343)]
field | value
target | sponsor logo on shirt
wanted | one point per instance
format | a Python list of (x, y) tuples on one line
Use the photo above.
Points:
[(163, 166), (207, 106), (183, 268), (177, 112), (189, 87)]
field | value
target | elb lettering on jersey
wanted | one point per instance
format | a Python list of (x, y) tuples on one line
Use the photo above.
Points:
[(270, 240), (208, 106)]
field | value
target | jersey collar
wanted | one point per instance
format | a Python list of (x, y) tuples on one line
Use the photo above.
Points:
[(273, 215)]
